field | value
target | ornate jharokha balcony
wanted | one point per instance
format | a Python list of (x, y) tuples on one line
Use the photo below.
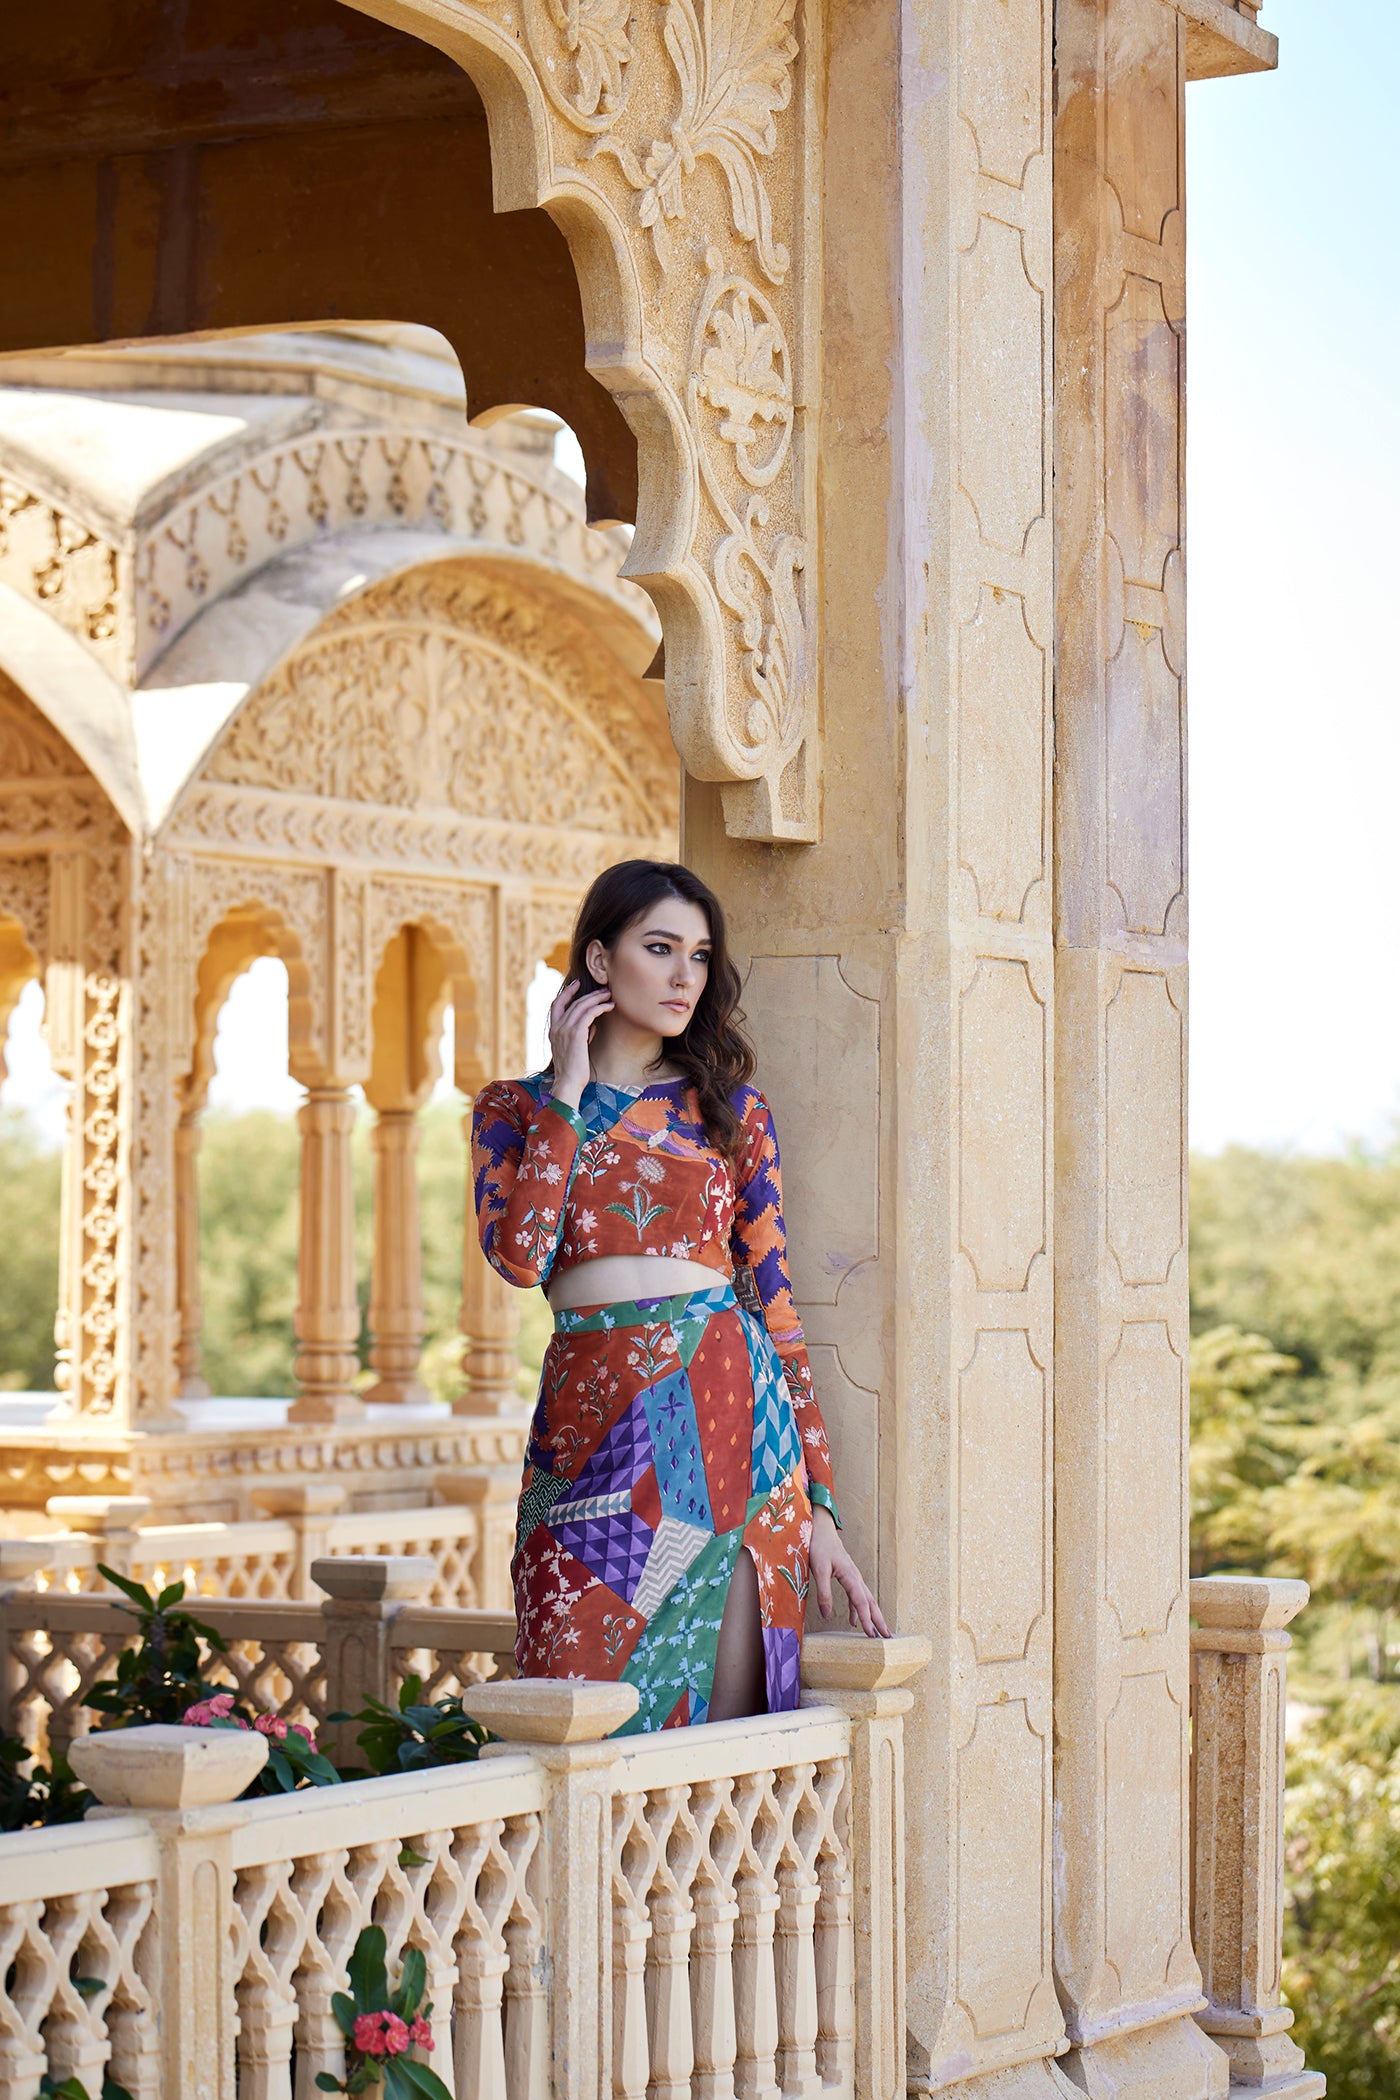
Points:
[(709, 1912)]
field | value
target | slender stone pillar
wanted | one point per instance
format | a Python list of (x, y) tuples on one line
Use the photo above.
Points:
[(328, 1315), (189, 1362), (490, 1323), (1239, 1695), (1128, 1978), (396, 1316)]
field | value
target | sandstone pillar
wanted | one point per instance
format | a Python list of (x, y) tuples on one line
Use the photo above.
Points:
[(396, 1316), (1239, 1695), (189, 1366), (490, 1323), (328, 1313), (900, 972), (1127, 1975)]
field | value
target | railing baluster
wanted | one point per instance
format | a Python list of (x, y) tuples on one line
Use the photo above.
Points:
[(835, 1951), (796, 1954), (712, 1945), (668, 1957), (755, 1980)]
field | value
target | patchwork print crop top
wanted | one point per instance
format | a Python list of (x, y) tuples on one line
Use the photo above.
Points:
[(631, 1171)]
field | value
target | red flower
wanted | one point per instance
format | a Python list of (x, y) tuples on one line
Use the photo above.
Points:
[(368, 2035), (396, 2035), (421, 2034)]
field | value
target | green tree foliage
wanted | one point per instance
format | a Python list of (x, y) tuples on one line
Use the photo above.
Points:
[(1295, 1404), (29, 1176), (248, 1226)]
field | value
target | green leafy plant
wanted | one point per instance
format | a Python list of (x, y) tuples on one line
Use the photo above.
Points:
[(381, 2026), (161, 1676), (414, 1736), (74, 2089), (41, 1797), (292, 1757)]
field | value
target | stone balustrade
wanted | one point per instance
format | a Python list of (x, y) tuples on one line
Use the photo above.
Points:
[(468, 1530), (1239, 1691), (711, 1910), (371, 1628)]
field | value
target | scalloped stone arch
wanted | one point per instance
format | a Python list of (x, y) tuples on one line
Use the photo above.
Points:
[(242, 933), (459, 987), (698, 313)]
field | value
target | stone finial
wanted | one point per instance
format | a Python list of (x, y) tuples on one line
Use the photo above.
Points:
[(386, 1578), (1248, 1603), (22, 1558), (168, 1767), (300, 1498), (551, 1709), (852, 1662), (94, 1515)]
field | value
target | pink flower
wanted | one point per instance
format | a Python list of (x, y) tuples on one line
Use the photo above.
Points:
[(304, 1733), (421, 2034), (368, 2034), (271, 1725), (205, 1712), (397, 2039)]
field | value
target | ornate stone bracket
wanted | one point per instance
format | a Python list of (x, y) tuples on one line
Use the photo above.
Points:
[(669, 143)]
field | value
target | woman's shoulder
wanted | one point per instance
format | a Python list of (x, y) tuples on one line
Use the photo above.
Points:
[(521, 1096), (750, 1106)]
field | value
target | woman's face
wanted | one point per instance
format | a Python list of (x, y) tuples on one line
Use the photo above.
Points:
[(658, 967)]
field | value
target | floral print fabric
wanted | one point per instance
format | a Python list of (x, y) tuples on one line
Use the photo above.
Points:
[(634, 1173), (665, 1441), (670, 1434)]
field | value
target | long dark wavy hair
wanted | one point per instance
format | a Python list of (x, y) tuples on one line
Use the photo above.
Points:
[(713, 1054)]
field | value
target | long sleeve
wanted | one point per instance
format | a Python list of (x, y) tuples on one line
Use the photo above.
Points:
[(758, 1241), (523, 1157)]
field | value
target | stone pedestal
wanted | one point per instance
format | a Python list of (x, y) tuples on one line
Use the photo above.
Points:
[(490, 1323), (328, 1314), (396, 1317)]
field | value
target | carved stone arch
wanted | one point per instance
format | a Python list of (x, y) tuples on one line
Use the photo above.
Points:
[(455, 927), (236, 916), (464, 686), (20, 961), (668, 146)]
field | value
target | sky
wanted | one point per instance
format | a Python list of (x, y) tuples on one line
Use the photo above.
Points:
[(1293, 476)]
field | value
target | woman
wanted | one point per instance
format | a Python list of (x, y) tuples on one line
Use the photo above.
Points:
[(677, 1487)]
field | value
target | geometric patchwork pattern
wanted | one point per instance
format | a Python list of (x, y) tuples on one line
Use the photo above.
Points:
[(626, 1551), (615, 1548), (675, 1441), (673, 1547)]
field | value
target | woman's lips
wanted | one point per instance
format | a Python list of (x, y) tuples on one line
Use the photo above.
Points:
[(677, 1006)]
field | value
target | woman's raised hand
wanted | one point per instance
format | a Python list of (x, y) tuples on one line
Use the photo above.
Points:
[(571, 1019)]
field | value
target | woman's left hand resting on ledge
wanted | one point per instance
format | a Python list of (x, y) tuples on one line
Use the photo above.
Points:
[(829, 1557)]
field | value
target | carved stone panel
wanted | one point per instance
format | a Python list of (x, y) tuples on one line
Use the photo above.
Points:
[(818, 1041), (1001, 383), (1001, 1206), (1144, 1435), (1144, 1037), (1144, 1742), (672, 143), (1002, 1933), (1003, 1567), (1145, 780), (1001, 769)]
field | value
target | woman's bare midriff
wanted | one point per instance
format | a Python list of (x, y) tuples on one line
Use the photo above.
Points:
[(615, 1279)]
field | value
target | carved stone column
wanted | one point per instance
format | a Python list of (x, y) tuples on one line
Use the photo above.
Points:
[(328, 1314), (396, 1316), (1239, 1693), (188, 1138), (490, 1322), (1128, 1978)]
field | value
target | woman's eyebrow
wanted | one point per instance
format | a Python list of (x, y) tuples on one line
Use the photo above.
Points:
[(660, 933)]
